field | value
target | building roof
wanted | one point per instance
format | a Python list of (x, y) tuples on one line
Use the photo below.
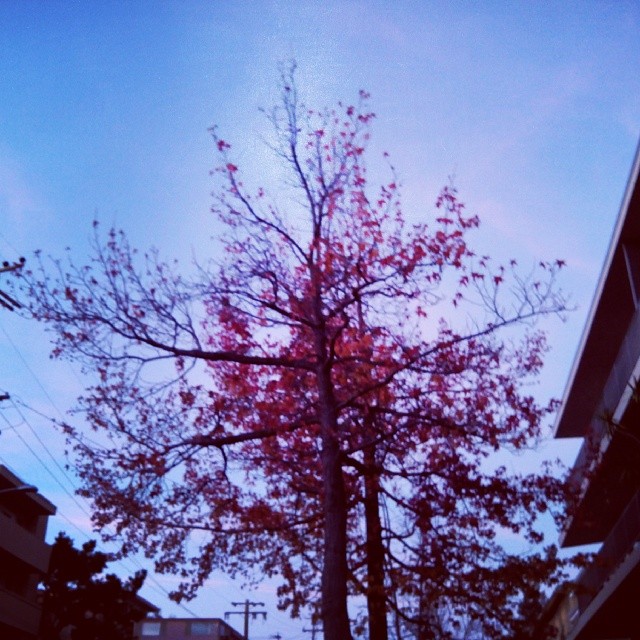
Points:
[(9, 482), (611, 311), (601, 384)]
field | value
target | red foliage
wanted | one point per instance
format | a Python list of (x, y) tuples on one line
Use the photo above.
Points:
[(340, 432)]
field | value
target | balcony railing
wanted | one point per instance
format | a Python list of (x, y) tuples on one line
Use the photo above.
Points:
[(19, 613), (23, 545), (618, 381), (616, 547)]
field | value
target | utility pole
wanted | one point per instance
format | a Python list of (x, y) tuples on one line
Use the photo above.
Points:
[(314, 629), (247, 610), (6, 300), (7, 266)]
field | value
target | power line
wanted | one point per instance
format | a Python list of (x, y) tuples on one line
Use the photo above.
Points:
[(46, 468), (8, 243), (6, 300), (53, 459), (156, 586), (30, 370), (133, 560), (83, 509), (9, 303), (159, 588), (314, 629)]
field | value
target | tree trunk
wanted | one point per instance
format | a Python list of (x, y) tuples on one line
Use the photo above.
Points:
[(335, 617), (376, 600)]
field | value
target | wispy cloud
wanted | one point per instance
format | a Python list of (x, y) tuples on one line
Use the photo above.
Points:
[(23, 211), (16, 197)]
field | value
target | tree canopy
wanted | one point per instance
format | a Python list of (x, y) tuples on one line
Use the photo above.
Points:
[(321, 401), (80, 601)]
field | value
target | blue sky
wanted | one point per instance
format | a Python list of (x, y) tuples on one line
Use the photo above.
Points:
[(105, 106)]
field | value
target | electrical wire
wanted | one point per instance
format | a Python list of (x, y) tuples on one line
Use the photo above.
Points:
[(159, 588), (30, 370)]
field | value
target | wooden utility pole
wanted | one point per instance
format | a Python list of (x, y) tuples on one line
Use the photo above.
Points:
[(314, 629), (247, 610), (7, 266), (6, 300)]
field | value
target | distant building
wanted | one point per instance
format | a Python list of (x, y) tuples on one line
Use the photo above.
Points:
[(24, 555), (185, 629), (602, 405)]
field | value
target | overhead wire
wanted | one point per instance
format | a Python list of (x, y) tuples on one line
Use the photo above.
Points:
[(165, 593), (41, 461), (30, 370), (284, 620), (159, 588), (83, 509), (59, 513), (134, 561)]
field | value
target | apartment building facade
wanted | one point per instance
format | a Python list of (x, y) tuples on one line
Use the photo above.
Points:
[(602, 405), (185, 629), (24, 555)]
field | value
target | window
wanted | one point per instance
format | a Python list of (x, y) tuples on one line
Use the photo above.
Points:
[(202, 629), (150, 629)]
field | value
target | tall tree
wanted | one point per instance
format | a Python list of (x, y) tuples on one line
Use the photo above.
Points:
[(302, 405), (80, 601)]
